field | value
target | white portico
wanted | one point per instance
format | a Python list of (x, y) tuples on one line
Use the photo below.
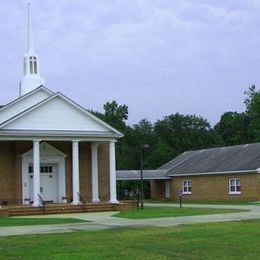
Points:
[(55, 150), (57, 119)]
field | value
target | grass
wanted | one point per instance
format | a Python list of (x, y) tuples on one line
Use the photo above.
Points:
[(243, 203), (229, 240), (164, 212), (8, 222)]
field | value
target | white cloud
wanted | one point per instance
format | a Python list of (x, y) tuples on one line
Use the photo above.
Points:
[(171, 55)]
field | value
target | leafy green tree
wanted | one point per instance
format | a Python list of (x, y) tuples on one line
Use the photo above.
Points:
[(233, 128), (185, 132), (116, 115), (252, 103)]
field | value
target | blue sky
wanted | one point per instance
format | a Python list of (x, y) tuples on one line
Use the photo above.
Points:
[(158, 57)]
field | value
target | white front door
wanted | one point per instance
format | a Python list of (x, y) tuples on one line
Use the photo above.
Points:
[(47, 182)]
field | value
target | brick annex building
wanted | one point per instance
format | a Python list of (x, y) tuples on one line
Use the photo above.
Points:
[(51, 148), (219, 174)]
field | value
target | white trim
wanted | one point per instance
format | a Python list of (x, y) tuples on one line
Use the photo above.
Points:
[(59, 137), (75, 173), (36, 173), (234, 193), (187, 193), (212, 173), (236, 180), (58, 160), (25, 96), (94, 172), (112, 173), (67, 100), (186, 187)]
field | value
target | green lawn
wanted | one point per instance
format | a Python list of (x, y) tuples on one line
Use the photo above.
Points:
[(164, 212), (256, 203), (229, 240), (7, 222)]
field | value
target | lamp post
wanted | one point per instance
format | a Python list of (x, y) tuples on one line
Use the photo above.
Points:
[(142, 147)]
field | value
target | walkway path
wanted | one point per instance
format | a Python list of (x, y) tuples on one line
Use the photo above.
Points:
[(104, 220)]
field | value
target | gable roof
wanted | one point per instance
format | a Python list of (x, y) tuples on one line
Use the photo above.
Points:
[(238, 158), (223, 160), (57, 113), (43, 113), (24, 102)]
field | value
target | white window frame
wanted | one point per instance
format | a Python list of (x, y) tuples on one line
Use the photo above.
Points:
[(236, 183), (186, 187)]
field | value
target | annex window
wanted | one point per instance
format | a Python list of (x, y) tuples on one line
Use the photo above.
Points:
[(186, 187), (234, 186)]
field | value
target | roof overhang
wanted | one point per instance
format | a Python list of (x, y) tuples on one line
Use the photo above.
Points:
[(214, 173), (17, 135), (147, 175)]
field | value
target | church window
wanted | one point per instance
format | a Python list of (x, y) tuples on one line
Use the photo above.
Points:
[(33, 64)]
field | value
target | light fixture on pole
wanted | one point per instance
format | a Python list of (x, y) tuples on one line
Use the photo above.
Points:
[(142, 147)]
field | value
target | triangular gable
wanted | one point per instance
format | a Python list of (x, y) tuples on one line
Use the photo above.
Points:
[(45, 150), (57, 113), (24, 102)]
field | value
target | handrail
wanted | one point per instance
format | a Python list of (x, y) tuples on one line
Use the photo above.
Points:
[(81, 199), (41, 199)]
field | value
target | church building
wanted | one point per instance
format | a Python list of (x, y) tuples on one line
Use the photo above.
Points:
[(51, 148)]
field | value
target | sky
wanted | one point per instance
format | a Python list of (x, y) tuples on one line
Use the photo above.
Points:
[(158, 57)]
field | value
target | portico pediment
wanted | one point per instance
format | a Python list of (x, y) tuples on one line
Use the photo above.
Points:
[(57, 113), (45, 150)]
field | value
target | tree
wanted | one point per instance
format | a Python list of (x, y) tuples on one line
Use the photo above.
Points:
[(116, 115), (252, 103), (185, 132), (233, 128)]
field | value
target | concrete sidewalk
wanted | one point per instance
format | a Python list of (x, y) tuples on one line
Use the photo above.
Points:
[(104, 220)]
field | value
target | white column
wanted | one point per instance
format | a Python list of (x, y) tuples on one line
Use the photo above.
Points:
[(75, 173), (94, 171), (36, 173), (112, 172)]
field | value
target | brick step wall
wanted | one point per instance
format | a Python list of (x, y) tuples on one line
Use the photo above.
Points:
[(66, 209)]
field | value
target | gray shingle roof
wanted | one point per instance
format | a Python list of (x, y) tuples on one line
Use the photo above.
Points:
[(237, 158), (216, 160), (147, 175)]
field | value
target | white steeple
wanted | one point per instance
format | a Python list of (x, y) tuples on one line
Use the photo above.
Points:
[(32, 78)]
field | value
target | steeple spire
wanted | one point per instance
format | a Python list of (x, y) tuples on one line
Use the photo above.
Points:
[(30, 49), (32, 78)]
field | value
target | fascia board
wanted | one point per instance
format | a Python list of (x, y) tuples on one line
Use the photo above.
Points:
[(212, 173), (5, 134), (69, 101), (12, 119), (26, 96), (73, 103), (144, 178)]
